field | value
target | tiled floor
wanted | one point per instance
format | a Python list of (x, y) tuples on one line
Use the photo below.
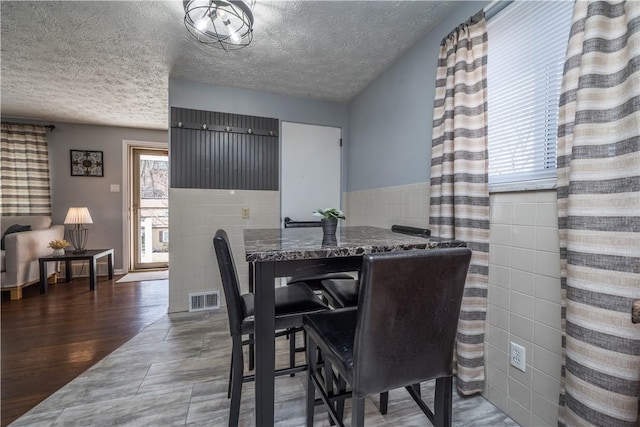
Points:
[(175, 373)]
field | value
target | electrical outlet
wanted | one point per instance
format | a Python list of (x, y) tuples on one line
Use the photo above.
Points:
[(518, 357), (245, 213)]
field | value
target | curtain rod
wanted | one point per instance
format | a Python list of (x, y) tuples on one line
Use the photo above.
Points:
[(495, 7), (50, 127)]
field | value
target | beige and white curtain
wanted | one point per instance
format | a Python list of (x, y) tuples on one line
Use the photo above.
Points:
[(24, 170), (599, 215), (459, 192)]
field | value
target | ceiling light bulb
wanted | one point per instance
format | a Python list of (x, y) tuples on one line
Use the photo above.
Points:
[(201, 25), (234, 37), (222, 14)]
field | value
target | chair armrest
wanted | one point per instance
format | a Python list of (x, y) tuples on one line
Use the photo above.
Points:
[(27, 246)]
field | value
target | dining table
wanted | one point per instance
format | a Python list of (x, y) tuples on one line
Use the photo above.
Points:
[(289, 252)]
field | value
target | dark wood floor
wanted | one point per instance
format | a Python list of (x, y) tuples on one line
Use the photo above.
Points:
[(48, 340)]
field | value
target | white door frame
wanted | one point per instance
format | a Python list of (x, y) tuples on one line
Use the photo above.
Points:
[(126, 195)]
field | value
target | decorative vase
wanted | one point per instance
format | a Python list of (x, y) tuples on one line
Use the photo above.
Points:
[(58, 252), (329, 241), (329, 226)]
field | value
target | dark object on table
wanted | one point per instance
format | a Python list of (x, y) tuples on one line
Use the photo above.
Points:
[(412, 231), (422, 292), (289, 223)]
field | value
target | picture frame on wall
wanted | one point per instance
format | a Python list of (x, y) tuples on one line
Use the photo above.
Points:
[(86, 163)]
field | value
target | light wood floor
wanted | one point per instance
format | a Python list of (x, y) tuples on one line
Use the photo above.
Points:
[(152, 369), (48, 340)]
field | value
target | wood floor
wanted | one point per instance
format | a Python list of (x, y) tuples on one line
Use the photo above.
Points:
[(48, 340)]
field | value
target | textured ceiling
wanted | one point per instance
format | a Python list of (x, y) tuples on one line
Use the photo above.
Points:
[(109, 62)]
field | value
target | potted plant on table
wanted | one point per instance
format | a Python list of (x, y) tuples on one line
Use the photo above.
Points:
[(58, 246), (329, 221)]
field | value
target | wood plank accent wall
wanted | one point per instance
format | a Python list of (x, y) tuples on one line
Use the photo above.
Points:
[(223, 151)]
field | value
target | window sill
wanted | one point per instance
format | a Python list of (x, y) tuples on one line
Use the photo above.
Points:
[(535, 185)]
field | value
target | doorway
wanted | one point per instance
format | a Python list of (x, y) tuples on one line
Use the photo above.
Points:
[(149, 208), (311, 170)]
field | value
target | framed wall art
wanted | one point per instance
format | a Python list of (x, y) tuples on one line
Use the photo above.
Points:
[(86, 163)]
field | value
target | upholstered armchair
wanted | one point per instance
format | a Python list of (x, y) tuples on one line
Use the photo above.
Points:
[(22, 249)]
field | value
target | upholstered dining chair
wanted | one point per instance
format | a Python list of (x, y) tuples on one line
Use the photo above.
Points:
[(341, 292), (402, 333), (291, 303)]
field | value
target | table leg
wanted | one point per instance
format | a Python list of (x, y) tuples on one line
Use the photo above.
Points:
[(93, 273), (265, 342), (110, 264), (67, 270), (43, 277)]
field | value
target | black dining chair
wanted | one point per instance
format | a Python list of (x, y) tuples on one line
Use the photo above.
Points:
[(402, 333), (341, 292), (291, 303)]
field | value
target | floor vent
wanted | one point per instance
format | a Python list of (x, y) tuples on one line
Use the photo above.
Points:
[(204, 301)]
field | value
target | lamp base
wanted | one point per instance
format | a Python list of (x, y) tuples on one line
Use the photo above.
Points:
[(78, 236)]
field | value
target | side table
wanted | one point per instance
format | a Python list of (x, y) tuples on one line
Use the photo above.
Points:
[(91, 255)]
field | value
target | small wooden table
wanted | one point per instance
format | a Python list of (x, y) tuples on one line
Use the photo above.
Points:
[(91, 255)]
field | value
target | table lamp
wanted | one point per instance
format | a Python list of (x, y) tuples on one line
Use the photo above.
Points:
[(78, 235)]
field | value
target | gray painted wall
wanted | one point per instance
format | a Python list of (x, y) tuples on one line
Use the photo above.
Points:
[(390, 121), (186, 94), (225, 99), (93, 192)]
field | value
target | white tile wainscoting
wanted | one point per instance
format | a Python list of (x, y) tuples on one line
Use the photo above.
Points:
[(524, 289), (384, 207), (194, 217), (524, 306)]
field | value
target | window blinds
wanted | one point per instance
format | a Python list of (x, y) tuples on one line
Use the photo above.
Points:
[(527, 45)]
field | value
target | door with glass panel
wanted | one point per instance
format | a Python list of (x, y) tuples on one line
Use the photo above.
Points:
[(150, 208)]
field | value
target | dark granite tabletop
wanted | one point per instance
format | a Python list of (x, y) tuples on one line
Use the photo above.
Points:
[(275, 244)]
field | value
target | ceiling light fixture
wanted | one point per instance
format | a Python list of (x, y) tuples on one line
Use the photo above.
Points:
[(226, 24)]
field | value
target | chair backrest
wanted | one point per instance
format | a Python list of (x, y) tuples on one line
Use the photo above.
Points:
[(230, 283), (408, 309), (412, 231), (289, 223)]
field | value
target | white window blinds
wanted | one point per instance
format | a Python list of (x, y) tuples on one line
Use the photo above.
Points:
[(527, 45)]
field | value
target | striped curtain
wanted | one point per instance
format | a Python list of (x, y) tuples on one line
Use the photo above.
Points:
[(459, 193), (24, 170), (599, 215)]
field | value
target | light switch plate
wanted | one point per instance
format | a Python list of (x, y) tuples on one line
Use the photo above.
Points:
[(115, 188), (245, 213)]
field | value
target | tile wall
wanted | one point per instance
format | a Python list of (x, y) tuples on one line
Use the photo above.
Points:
[(524, 289), (384, 207), (524, 306), (194, 217)]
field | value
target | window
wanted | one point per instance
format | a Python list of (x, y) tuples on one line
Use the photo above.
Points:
[(163, 236), (527, 46)]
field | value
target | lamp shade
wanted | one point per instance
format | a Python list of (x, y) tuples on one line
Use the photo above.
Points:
[(78, 216)]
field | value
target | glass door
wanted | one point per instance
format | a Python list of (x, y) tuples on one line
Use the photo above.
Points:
[(150, 208)]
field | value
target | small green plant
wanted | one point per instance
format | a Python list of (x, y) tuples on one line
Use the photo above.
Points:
[(330, 213)]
